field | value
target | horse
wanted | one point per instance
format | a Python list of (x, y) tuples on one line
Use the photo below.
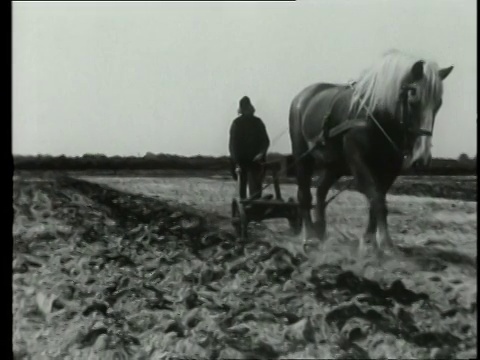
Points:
[(248, 146), (372, 129)]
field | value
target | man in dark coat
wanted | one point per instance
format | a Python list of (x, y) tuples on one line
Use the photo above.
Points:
[(248, 147)]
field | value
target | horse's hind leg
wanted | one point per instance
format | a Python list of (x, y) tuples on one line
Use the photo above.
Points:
[(305, 167), (326, 180)]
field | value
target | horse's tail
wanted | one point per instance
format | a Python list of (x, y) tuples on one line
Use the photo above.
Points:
[(295, 123)]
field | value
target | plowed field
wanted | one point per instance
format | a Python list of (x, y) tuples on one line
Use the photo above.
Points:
[(150, 269)]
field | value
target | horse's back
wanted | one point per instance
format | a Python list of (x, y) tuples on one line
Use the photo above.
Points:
[(326, 109), (303, 98), (302, 104)]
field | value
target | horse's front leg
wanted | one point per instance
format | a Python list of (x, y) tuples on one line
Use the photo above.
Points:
[(382, 236), (379, 211), (369, 235), (374, 189), (376, 232)]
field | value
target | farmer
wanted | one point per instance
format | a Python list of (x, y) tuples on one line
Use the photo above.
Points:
[(248, 147)]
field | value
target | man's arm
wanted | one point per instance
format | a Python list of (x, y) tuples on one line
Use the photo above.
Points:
[(265, 141)]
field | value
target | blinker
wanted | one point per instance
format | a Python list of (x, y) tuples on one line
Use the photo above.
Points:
[(409, 87)]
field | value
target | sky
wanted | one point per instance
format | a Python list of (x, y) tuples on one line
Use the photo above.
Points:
[(127, 78)]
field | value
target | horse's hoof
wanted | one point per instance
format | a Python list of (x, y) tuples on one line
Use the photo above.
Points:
[(369, 239), (309, 244), (365, 245)]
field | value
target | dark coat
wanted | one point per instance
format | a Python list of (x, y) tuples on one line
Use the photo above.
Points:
[(248, 138)]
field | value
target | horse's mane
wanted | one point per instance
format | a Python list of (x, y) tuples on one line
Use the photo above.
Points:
[(378, 88)]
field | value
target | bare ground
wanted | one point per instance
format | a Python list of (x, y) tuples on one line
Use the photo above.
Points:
[(100, 273)]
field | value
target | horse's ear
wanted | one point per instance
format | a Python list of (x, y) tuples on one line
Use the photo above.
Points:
[(445, 72), (417, 70)]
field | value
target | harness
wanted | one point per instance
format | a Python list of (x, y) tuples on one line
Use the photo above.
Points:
[(328, 133), (405, 122)]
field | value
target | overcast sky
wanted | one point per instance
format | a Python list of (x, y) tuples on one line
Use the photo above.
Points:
[(166, 77)]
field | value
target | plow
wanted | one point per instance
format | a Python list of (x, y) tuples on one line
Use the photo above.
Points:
[(270, 206)]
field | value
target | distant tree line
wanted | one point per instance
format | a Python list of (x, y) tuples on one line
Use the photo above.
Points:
[(102, 162), (464, 165)]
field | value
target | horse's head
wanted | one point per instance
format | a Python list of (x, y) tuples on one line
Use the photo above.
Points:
[(420, 100), (408, 89), (245, 106)]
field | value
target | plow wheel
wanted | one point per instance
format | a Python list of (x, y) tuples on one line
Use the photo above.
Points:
[(239, 218)]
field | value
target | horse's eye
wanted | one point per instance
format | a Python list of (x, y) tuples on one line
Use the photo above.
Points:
[(413, 95)]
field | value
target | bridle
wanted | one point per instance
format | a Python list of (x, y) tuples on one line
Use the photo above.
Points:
[(410, 133)]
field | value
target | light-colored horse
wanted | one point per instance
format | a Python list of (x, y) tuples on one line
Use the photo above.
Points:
[(370, 129)]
